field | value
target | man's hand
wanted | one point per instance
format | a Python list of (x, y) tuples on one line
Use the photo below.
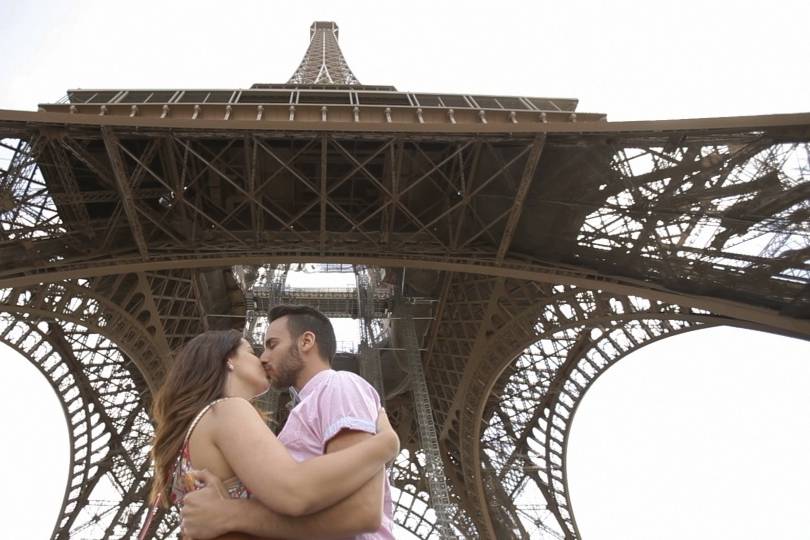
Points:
[(203, 514)]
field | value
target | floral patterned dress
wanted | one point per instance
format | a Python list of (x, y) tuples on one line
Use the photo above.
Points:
[(182, 482)]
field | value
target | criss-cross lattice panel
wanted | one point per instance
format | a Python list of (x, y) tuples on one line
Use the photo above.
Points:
[(413, 511), (109, 428), (323, 63), (579, 335), (717, 213)]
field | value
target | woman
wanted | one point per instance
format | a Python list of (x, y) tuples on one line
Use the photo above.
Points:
[(204, 420)]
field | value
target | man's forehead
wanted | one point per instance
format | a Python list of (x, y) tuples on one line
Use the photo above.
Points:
[(277, 328)]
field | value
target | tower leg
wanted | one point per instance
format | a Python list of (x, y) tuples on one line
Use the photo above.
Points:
[(370, 368), (437, 483)]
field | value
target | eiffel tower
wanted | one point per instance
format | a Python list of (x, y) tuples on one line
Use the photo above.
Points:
[(505, 251)]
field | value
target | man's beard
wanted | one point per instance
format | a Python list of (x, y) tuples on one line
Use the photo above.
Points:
[(285, 373)]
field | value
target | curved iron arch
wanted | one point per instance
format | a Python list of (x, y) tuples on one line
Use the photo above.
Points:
[(71, 302), (619, 336), (529, 322), (108, 428)]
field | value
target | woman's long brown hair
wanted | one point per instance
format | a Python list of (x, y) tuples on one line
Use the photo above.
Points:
[(196, 378)]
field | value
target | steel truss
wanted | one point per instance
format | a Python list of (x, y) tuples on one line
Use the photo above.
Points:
[(563, 338), (323, 62), (433, 471), (671, 220), (105, 406), (372, 331)]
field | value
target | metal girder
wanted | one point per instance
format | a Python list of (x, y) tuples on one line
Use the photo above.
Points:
[(104, 306), (107, 425), (371, 336), (69, 199), (125, 190), (523, 189), (511, 316), (323, 198), (560, 381), (667, 257), (437, 484)]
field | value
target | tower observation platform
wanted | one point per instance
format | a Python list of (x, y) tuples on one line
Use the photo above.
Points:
[(497, 253)]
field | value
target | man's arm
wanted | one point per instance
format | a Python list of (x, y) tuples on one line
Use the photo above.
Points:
[(206, 514)]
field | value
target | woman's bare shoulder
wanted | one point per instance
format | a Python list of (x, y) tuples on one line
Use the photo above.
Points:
[(225, 411), (233, 406)]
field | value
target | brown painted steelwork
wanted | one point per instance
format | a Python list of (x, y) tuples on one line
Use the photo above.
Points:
[(545, 247)]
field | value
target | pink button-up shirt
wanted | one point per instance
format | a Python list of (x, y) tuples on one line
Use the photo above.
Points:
[(332, 401)]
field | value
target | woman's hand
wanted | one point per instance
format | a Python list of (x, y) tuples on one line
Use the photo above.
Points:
[(202, 515), (385, 430)]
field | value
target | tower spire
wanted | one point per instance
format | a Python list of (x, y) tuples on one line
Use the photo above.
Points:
[(323, 62)]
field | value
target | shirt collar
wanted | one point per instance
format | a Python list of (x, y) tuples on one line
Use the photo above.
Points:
[(297, 395)]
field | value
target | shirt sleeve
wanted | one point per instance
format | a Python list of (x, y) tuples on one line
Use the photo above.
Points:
[(348, 402)]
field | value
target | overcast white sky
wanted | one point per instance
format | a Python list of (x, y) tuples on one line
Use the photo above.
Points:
[(704, 435)]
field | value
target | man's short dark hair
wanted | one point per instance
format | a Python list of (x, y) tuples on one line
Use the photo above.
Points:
[(302, 319)]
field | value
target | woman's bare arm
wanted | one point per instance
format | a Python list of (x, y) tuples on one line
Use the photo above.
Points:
[(279, 482)]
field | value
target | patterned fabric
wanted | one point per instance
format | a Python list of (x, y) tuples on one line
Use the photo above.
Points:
[(182, 482), (330, 402)]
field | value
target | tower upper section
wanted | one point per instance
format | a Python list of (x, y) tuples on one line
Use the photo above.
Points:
[(324, 90), (323, 62)]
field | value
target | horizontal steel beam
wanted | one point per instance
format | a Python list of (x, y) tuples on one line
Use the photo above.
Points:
[(18, 122), (768, 318)]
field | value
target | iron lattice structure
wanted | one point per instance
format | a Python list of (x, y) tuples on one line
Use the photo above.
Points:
[(323, 62), (507, 251)]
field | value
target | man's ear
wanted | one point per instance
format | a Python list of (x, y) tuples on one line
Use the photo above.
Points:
[(307, 341)]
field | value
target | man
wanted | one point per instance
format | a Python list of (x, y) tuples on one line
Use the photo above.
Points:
[(332, 410)]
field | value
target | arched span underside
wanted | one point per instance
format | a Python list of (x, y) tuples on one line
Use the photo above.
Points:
[(524, 444), (713, 218), (513, 270), (79, 302), (108, 426), (485, 325)]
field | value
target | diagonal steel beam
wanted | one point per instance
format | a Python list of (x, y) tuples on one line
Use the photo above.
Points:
[(316, 191), (105, 175), (392, 199), (184, 200), (381, 186), (334, 185), (520, 197), (466, 183), (436, 166), (71, 197), (173, 172), (485, 228), (111, 143), (323, 194), (438, 317), (468, 197), (440, 171), (228, 179)]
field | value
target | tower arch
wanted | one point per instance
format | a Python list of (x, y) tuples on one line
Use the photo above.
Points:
[(108, 425)]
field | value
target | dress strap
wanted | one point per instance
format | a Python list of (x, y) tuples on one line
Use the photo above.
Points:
[(199, 417)]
